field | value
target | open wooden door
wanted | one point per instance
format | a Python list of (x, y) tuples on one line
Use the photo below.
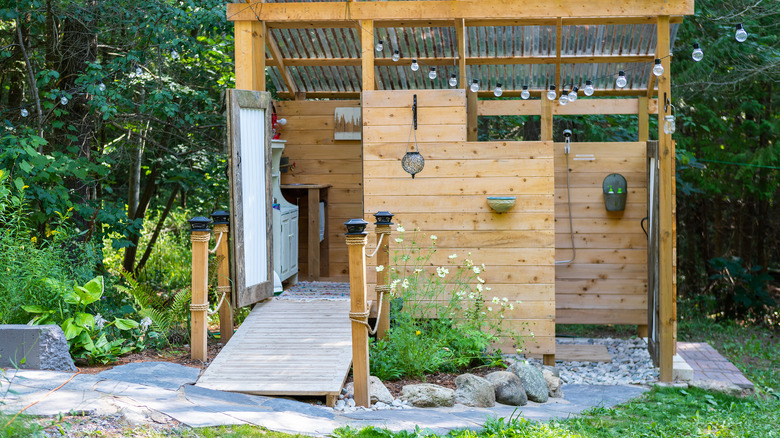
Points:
[(249, 148), (653, 271)]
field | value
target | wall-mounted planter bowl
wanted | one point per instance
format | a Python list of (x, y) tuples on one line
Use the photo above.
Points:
[(500, 204), (615, 192)]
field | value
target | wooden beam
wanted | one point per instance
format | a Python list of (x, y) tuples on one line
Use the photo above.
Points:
[(644, 129), (598, 93), (546, 125), (579, 107), (460, 36), (367, 53), (277, 55), (574, 21), (448, 10), (667, 318), (250, 55), (499, 60), (558, 40)]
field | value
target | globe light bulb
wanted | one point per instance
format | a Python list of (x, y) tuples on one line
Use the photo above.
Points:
[(697, 54), (453, 80), (658, 68), (588, 90), (380, 46), (669, 125), (432, 74), (415, 65), (525, 94), (474, 85), (551, 95), (573, 94), (740, 35), (174, 55), (64, 100), (138, 71), (102, 87), (564, 98), (396, 55), (621, 81), (282, 121), (498, 91), (25, 113)]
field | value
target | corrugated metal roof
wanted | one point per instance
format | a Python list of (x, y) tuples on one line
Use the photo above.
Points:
[(482, 44)]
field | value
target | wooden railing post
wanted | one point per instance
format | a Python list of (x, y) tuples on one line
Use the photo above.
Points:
[(383, 222), (200, 235), (358, 314), (221, 227)]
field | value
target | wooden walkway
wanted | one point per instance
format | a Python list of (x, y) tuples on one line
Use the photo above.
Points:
[(286, 348)]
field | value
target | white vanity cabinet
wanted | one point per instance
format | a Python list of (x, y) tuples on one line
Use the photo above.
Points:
[(285, 223)]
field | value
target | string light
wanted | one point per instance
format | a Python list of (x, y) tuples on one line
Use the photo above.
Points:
[(102, 87), (564, 98), (24, 112), (474, 85), (551, 94), (453, 80), (621, 81), (697, 54), (174, 55), (741, 34), (588, 88), (573, 94), (525, 94), (415, 65), (396, 55), (64, 100), (432, 74), (380, 46), (498, 91), (658, 68), (138, 71)]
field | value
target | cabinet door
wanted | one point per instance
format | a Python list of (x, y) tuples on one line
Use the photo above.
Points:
[(284, 269), (293, 239)]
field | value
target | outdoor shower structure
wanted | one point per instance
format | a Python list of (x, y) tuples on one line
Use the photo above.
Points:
[(346, 75)]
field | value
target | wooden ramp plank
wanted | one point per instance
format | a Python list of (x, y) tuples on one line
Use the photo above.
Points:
[(580, 353), (286, 347)]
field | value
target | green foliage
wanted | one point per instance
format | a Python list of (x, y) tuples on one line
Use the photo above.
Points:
[(740, 292), (90, 336), (440, 319)]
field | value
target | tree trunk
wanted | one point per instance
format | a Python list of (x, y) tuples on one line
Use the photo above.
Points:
[(157, 230)]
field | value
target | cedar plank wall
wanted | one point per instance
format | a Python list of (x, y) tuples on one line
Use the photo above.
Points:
[(321, 160), (448, 199), (607, 282)]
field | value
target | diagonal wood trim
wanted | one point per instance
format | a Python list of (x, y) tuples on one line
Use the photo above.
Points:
[(279, 61)]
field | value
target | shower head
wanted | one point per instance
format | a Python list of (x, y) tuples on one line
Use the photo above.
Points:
[(567, 137)]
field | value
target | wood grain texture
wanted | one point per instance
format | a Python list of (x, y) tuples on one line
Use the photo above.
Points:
[(319, 159), (448, 200), (264, 355), (607, 281)]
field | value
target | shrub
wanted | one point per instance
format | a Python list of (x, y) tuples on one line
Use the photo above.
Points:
[(440, 320)]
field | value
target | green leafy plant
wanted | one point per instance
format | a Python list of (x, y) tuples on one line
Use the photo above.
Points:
[(440, 321), (740, 291), (89, 336)]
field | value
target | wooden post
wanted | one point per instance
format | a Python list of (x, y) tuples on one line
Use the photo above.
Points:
[(546, 124), (199, 306), (221, 223), (644, 125), (383, 231), (367, 53), (356, 244), (666, 301), (250, 55)]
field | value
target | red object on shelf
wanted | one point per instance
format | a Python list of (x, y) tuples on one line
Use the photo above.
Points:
[(275, 126)]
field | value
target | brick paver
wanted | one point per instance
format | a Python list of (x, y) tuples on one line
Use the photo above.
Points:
[(708, 364)]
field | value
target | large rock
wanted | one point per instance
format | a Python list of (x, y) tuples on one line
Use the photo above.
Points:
[(377, 391), (39, 347), (553, 383), (474, 391), (508, 388), (533, 381), (428, 395)]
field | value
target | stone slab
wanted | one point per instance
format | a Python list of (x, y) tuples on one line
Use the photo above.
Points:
[(160, 374), (40, 347), (681, 371)]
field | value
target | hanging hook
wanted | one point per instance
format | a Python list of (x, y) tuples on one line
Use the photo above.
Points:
[(414, 112)]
